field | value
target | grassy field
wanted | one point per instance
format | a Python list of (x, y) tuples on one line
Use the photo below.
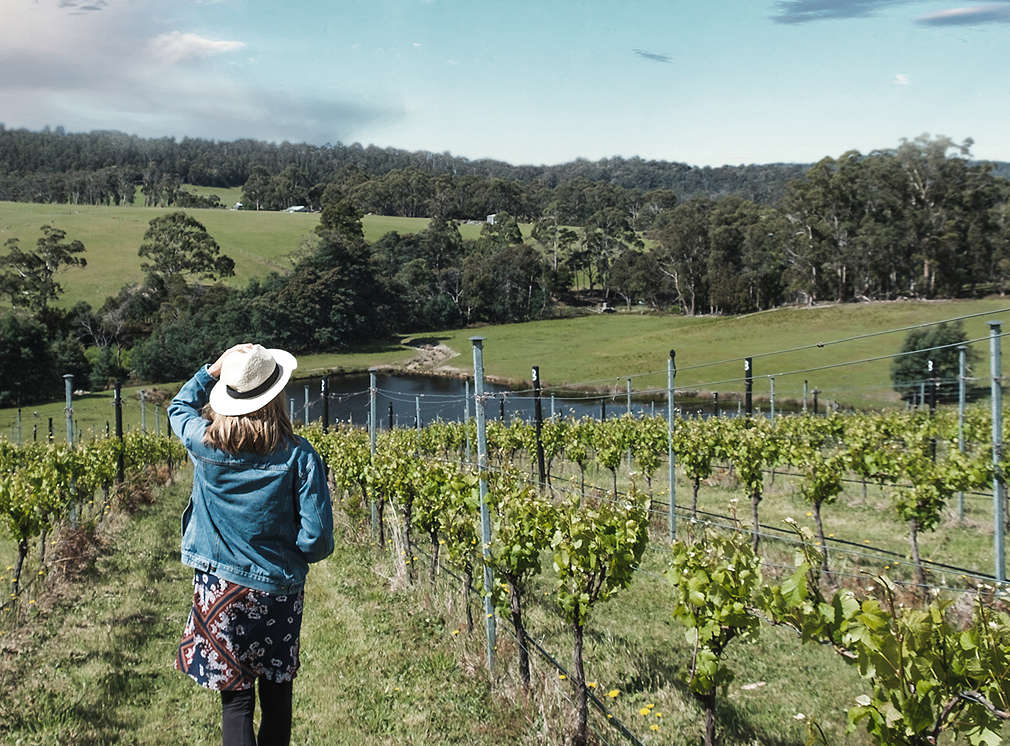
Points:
[(259, 242), (601, 351)]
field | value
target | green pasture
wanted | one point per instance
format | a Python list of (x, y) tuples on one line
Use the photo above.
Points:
[(601, 351), (260, 242)]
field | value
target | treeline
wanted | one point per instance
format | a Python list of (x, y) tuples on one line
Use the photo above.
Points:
[(39, 156)]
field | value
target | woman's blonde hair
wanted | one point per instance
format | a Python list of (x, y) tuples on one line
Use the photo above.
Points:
[(261, 432)]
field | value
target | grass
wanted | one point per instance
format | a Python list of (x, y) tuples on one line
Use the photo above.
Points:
[(260, 242), (601, 351)]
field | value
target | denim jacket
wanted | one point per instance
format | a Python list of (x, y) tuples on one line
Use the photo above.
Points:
[(253, 520)]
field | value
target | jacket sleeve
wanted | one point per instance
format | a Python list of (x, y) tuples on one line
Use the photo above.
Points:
[(315, 534), (184, 411)]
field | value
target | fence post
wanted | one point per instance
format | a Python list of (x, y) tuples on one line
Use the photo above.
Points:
[(501, 406), (485, 516), (417, 413), (68, 386), (771, 395), (748, 372), (816, 392), (305, 410), (119, 431), (627, 410), (466, 418), (603, 409), (291, 408), (805, 389), (931, 372), (143, 411), (157, 420), (998, 486), (962, 361), (371, 447), (390, 416), (671, 375), (715, 403), (50, 429), (19, 427), (538, 419), (552, 406), (324, 390)]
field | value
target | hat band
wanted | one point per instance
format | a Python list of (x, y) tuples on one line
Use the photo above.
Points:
[(262, 388)]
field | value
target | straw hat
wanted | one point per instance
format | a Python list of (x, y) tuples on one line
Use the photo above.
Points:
[(250, 379)]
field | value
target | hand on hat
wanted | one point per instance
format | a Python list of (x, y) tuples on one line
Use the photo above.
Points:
[(215, 369)]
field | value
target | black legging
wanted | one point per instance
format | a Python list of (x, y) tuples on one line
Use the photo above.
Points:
[(237, 715)]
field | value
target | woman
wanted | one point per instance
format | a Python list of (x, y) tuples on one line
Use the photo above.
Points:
[(258, 515)]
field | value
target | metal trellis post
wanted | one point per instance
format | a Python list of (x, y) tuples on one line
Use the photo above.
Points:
[(143, 411), (771, 395), (305, 411), (466, 417), (962, 364), (68, 385), (998, 487), (627, 409), (324, 390), (485, 515), (371, 446), (671, 375), (119, 431), (538, 418), (748, 372), (417, 412)]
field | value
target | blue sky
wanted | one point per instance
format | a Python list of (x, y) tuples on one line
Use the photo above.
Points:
[(706, 83)]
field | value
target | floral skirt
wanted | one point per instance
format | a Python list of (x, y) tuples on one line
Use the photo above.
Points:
[(236, 634)]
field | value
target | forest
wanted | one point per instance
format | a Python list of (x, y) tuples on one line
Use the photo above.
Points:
[(922, 220)]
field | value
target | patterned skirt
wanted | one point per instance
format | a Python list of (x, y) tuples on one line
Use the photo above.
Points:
[(235, 634)]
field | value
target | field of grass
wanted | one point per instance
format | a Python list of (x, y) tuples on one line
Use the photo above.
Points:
[(259, 242), (601, 351)]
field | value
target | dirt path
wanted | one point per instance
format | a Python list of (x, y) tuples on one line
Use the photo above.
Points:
[(432, 358)]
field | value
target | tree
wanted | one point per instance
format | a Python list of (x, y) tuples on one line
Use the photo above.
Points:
[(911, 370), (257, 189), (27, 372), (683, 252), (29, 277), (177, 245)]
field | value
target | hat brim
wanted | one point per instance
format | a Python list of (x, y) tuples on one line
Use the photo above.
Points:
[(225, 404)]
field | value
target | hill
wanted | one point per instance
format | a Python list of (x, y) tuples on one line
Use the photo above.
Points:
[(259, 242)]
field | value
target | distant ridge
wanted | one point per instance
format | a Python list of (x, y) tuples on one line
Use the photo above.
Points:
[(214, 163)]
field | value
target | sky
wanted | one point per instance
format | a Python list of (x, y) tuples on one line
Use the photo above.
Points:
[(708, 82)]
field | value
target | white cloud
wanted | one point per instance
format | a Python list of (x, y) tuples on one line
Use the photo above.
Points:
[(416, 44), (969, 16), (176, 46), (63, 68), (901, 79)]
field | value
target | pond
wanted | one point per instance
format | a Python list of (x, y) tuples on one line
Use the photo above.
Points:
[(398, 397)]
